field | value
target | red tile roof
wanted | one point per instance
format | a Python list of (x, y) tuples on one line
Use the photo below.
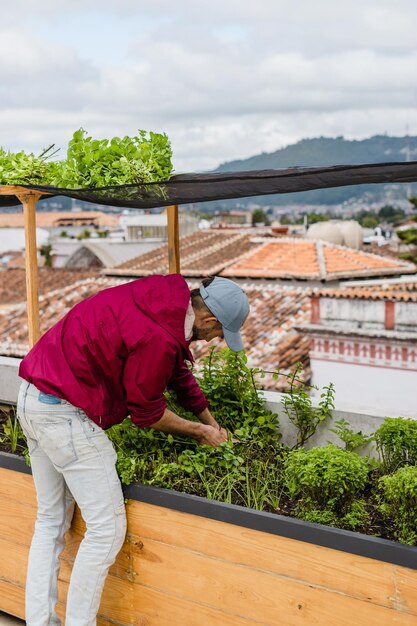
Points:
[(399, 292), (244, 255), (314, 260), (202, 253), (271, 341), (12, 259), (13, 281), (278, 259)]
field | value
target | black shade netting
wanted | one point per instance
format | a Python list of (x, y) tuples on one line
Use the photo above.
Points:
[(191, 188)]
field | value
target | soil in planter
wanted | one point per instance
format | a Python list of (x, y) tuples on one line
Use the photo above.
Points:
[(378, 525)]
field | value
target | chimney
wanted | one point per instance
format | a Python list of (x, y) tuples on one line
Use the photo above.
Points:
[(315, 310), (389, 315)]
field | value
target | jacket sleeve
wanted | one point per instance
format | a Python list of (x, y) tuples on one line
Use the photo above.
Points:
[(189, 394), (146, 374)]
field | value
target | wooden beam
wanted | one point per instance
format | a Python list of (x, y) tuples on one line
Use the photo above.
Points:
[(29, 200), (14, 190), (173, 240)]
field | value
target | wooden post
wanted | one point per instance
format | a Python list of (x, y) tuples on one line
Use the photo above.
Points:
[(173, 240), (29, 200)]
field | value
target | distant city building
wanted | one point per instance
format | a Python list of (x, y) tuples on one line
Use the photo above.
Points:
[(155, 226), (232, 218), (13, 239), (60, 219), (52, 224), (364, 340)]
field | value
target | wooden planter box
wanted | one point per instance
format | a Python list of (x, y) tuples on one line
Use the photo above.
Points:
[(188, 561)]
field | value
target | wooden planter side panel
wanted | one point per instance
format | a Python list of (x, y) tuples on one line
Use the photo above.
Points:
[(178, 569)]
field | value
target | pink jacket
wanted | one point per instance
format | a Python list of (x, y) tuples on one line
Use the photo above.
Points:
[(115, 353)]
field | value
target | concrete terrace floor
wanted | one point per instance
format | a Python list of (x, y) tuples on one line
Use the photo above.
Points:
[(9, 620)]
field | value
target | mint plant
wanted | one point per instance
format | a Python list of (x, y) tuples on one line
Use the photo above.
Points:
[(298, 406), (326, 481), (352, 440), (230, 387), (396, 441), (399, 502)]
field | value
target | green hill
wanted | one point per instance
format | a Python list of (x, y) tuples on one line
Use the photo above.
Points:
[(333, 151)]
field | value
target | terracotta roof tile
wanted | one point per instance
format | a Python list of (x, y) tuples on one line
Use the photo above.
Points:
[(301, 259), (202, 253), (400, 292), (12, 259), (13, 281), (243, 255), (278, 259)]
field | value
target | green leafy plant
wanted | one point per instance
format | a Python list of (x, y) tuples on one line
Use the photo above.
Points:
[(84, 234), (144, 158), (20, 168), (46, 252), (298, 406), (352, 440), (326, 479), (230, 387), (12, 435), (246, 470), (396, 441), (399, 502)]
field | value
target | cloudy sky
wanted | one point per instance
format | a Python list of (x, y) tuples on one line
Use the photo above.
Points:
[(225, 79)]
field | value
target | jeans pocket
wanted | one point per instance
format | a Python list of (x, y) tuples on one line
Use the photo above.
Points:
[(56, 439)]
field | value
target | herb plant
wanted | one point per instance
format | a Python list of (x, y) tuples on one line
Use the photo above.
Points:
[(145, 158), (246, 470), (20, 168), (298, 406), (326, 481), (396, 441), (118, 161), (352, 440), (399, 502)]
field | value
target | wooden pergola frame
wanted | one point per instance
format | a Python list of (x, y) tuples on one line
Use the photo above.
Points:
[(29, 198)]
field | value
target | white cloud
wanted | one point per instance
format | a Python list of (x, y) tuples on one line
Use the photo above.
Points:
[(224, 79)]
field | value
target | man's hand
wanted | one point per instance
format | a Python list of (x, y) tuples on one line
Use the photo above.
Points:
[(203, 433), (211, 436)]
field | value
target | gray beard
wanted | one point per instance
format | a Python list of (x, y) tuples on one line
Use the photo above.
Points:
[(198, 333)]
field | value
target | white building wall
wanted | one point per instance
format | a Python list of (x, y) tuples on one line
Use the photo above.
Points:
[(14, 238), (383, 390), (406, 316), (349, 313)]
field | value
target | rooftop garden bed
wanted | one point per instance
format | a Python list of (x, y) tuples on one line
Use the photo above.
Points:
[(330, 485), (251, 532)]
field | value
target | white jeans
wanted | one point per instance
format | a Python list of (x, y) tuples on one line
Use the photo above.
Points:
[(72, 459)]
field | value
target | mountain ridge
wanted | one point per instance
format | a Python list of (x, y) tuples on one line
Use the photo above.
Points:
[(322, 151)]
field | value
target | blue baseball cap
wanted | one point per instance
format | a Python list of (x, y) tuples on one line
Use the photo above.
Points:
[(230, 305)]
